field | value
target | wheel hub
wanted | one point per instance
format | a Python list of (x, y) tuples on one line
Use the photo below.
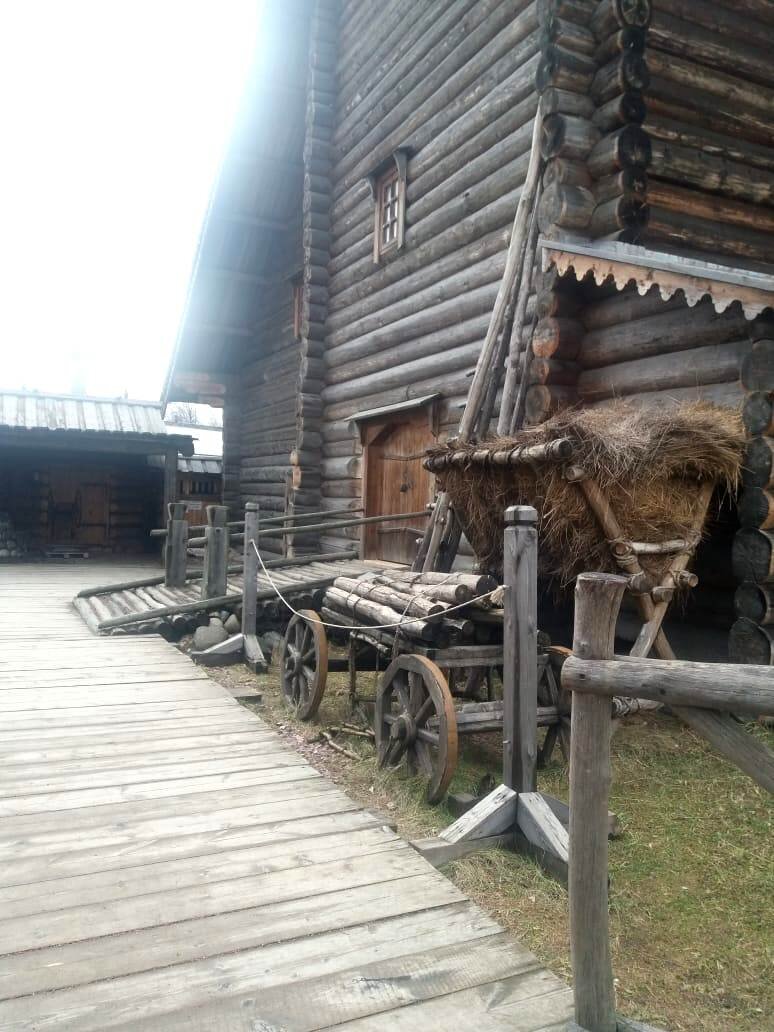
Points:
[(404, 728)]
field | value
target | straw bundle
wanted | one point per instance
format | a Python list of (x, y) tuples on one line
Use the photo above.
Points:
[(649, 463)]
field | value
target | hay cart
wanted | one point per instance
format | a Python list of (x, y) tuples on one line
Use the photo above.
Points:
[(618, 490), (435, 668)]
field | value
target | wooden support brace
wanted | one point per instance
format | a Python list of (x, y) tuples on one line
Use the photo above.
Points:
[(439, 852), (538, 823), (495, 814)]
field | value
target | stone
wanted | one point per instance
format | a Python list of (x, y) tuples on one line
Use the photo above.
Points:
[(212, 634), (232, 624)]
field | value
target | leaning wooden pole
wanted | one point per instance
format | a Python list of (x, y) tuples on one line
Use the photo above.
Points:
[(487, 360), (597, 601)]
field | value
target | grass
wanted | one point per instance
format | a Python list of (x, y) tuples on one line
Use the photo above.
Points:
[(692, 878)]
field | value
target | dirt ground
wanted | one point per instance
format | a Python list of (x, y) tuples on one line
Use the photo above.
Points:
[(692, 878)]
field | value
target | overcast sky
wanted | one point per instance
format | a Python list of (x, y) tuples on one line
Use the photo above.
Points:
[(114, 118)]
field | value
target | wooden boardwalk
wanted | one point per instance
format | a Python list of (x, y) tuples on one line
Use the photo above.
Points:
[(166, 862)]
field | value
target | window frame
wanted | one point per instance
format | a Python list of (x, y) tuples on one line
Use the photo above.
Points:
[(389, 173)]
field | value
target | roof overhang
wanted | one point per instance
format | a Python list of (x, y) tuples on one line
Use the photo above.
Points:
[(670, 273), (86, 441)]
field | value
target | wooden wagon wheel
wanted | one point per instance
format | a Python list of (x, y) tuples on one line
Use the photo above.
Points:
[(414, 717), (304, 663)]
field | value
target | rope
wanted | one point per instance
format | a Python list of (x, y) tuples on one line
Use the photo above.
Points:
[(497, 592)]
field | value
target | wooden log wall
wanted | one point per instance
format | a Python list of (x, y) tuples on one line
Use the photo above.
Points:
[(304, 478), (453, 83), (752, 636), (261, 433), (592, 77), (710, 127)]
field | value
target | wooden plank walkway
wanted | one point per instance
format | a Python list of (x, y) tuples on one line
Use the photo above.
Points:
[(167, 863), (304, 585)]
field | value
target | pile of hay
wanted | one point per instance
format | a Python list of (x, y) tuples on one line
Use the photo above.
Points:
[(649, 463)]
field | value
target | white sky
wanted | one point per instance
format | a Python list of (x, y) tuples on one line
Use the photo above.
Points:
[(114, 118)]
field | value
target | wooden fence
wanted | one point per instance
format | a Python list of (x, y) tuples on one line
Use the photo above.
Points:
[(705, 695)]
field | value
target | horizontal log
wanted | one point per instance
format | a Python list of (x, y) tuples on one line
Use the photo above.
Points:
[(715, 363), (554, 451), (757, 372), (627, 72), (567, 136), (727, 394), (691, 167), (444, 364), (543, 401), (564, 70), (758, 413), (745, 104), (675, 683), (412, 605), (627, 306), (610, 15), (755, 602), (558, 338), (755, 508), (620, 213), (709, 236), (568, 206), (629, 147), (570, 35), (369, 612), (620, 110), (628, 38), (752, 556), (708, 206), (555, 101), (563, 172), (654, 334), (661, 123), (431, 344), (725, 20), (673, 35), (750, 643)]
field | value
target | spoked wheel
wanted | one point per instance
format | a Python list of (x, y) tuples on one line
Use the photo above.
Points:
[(304, 663), (414, 717)]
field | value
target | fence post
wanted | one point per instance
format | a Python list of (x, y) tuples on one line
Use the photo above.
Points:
[(250, 570), (175, 546), (520, 649), (597, 600), (216, 535)]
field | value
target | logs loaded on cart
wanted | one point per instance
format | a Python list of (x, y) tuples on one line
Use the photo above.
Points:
[(438, 641)]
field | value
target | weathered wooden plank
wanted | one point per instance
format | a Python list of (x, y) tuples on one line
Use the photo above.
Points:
[(157, 993)]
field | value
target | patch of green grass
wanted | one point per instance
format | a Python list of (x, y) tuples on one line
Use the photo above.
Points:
[(692, 879)]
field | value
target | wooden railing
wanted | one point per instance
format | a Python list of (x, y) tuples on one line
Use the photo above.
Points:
[(705, 695)]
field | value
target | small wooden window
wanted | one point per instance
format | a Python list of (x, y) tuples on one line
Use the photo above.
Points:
[(389, 192), (298, 305)]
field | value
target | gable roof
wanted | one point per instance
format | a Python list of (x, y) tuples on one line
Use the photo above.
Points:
[(254, 211)]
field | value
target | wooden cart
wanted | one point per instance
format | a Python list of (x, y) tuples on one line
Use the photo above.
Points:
[(426, 696)]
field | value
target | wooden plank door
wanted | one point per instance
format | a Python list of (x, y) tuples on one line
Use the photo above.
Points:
[(395, 482), (91, 513)]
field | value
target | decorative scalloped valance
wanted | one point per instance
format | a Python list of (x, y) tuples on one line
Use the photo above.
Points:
[(627, 263)]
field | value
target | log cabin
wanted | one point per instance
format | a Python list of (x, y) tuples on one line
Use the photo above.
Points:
[(81, 475), (357, 236)]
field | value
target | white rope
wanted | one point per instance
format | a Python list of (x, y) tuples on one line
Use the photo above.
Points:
[(498, 592)]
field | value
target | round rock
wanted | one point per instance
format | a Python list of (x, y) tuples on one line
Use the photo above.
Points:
[(212, 634)]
